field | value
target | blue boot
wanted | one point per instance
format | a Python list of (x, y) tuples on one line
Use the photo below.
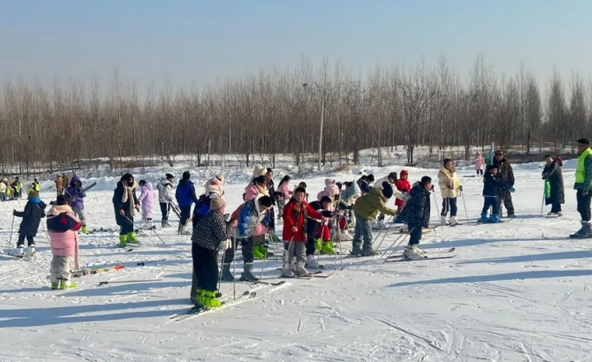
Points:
[(484, 218), (495, 219)]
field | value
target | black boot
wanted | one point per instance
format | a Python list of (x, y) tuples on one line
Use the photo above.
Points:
[(247, 274), (226, 274)]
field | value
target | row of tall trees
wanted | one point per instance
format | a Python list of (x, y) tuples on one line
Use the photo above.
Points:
[(279, 111)]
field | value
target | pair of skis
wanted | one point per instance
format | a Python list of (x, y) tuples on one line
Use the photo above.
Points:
[(446, 254)]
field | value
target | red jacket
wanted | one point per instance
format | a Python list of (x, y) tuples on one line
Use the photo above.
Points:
[(295, 215), (403, 186)]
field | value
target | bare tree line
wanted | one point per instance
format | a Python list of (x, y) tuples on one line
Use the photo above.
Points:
[(278, 112)]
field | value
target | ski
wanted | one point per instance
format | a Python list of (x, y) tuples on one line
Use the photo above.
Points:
[(83, 272), (436, 257), (399, 230), (400, 254), (195, 310), (271, 284), (8, 252)]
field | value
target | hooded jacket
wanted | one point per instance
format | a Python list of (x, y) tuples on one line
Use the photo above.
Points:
[(129, 204), (478, 161), (165, 191), (250, 216), (296, 214), (284, 191), (185, 193), (75, 193), (61, 228), (146, 200), (554, 191), (251, 192), (417, 209), (505, 171), (32, 215), (369, 205), (402, 185), (214, 186), (449, 183)]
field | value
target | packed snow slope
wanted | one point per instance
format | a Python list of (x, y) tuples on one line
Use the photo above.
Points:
[(518, 291)]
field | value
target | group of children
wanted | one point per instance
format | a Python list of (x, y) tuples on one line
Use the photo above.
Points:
[(10, 190)]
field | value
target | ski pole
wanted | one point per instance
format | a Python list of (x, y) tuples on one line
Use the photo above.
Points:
[(387, 229), (11, 230), (151, 227), (393, 244), (464, 205), (128, 281), (398, 245), (222, 258), (543, 202), (234, 246)]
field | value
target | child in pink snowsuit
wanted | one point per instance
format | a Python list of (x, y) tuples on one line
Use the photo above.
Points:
[(146, 200)]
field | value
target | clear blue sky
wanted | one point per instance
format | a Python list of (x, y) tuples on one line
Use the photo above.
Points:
[(199, 42)]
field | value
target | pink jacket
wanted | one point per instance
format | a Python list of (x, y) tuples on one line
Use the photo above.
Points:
[(479, 161), (63, 243), (251, 192), (146, 199), (330, 189), (285, 189)]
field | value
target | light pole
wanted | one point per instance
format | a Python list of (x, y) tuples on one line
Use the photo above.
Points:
[(321, 127)]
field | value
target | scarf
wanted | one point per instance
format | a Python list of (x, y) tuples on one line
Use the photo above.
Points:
[(128, 194)]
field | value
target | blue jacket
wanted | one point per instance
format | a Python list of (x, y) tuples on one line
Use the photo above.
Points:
[(75, 193), (185, 193), (249, 218)]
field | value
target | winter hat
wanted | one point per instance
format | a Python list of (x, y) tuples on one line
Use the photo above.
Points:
[(169, 176), (217, 203), (33, 194), (582, 141), (387, 189), (259, 170), (404, 173), (370, 178), (186, 175)]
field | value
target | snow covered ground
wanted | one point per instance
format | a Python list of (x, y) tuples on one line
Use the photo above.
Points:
[(518, 291)]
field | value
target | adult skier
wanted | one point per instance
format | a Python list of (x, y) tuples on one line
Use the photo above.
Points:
[(554, 192), (583, 185), (185, 196)]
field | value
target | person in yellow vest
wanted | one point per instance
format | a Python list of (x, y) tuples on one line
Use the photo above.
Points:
[(34, 186), (583, 185), (450, 187)]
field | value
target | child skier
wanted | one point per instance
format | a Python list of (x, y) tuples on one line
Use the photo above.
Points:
[(75, 194), (331, 190), (283, 194), (252, 214), (215, 185), (450, 187), (165, 198), (404, 187), (255, 188), (417, 216), (125, 204), (366, 209), (207, 236), (32, 215), (62, 225), (318, 233), (492, 186), (296, 213), (146, 200)]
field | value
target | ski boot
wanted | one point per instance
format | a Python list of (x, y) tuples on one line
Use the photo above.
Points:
[(413, 252), (287, 271), (55, 285), (327, 248), (257, 254), (247, 274), (443, 220), (131, 238), (84, 229), (452, 221), (67, 284), (584, 232), (226, 274), (484, 218), (211, 299), (122, 240), (311, 262), (200, 298), (494, 219), (301, 270), (30, 251), (317, 244), (368, 252), (511, 216)]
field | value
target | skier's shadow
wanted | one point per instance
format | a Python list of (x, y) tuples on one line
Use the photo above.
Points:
[(579, 254), (535, 274), (37, 317)]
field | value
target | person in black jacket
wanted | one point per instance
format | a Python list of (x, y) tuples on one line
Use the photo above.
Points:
[(554, 193), (416, 215), (32, 215), (125, 203), (493, 186), (506, 174), (208, 234), (271, 189), (317, 234)]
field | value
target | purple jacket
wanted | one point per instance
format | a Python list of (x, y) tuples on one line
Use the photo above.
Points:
[(75, 193), (146, 199)]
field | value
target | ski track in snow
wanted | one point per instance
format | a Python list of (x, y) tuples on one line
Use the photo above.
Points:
[(518, 291)]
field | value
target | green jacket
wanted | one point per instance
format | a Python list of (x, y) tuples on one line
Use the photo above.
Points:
[(369, 205)]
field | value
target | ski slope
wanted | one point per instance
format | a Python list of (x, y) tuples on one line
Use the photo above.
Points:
[(518, 291)]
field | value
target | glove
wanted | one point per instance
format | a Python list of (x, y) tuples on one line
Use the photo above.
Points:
[(14, 211), (460, 187), (226, 244), (326, 213), (512, 189)]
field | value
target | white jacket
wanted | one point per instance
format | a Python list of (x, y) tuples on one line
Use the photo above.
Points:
[(165, 191), (449, 183), (2, 187)]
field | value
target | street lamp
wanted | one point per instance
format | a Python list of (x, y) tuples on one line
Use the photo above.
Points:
[(321, 127)]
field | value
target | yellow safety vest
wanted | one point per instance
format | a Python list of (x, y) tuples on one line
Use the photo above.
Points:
[(581, 168)]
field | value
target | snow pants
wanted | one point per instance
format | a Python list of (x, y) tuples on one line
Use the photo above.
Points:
[(185, 213), (165, 207), (415, 232), (281, 204), (60, 268), (505, 197), (294, 249), (584, 204), (205, 266), (126, 224), (490, 201), (2, 196), (21, 240), (363, 230), (247, 248), (80, 214), (449, 204)]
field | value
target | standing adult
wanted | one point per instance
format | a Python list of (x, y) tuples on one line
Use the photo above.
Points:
[(450, 187), (554, 193), (584, 186), (125, 203), (507, 176), (185, 196), (479, 163), (60, 186)]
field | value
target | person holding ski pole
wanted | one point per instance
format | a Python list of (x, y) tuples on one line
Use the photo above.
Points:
[(318, 233), (165, 198), (493, 185), (125, 203), (32, 215), (450, 188), (416, 215)]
